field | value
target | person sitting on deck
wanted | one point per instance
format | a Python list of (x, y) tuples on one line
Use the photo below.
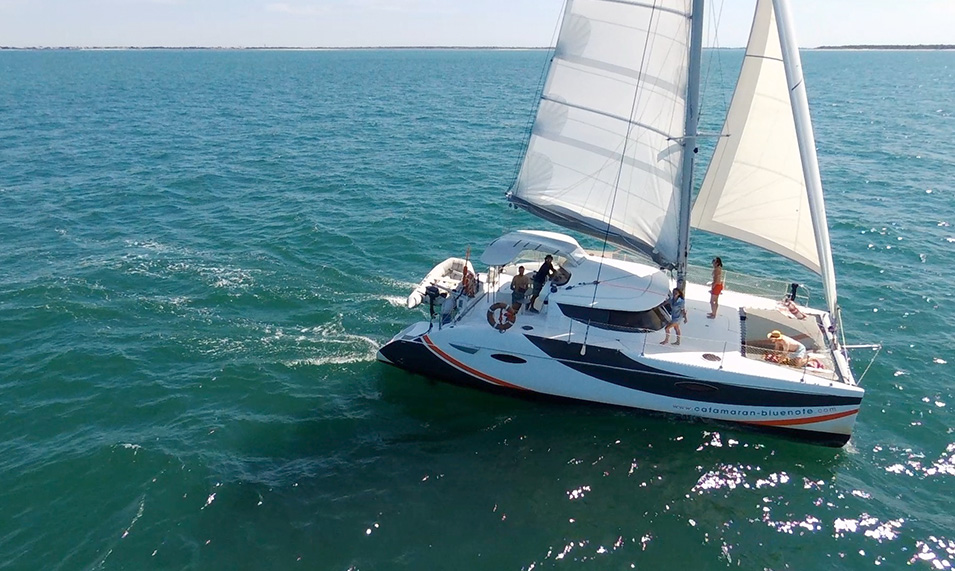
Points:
[(789, 350), (519, 285)]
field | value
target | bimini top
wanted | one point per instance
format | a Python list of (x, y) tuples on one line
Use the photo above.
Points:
[(615, 285), (508, 247)]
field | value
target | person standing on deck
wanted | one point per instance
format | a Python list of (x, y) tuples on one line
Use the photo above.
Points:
[(677, 312), (519, 285), (717, 287), (546, 269)]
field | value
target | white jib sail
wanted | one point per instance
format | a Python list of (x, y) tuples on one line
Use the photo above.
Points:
[(605, 152), (754, 189)]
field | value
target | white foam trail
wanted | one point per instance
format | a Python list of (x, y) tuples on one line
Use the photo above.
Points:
[(344, 348), (396, 301), (337, 360), (400, 284)]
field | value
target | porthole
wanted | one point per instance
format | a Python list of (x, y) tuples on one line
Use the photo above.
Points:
[(696, 387), (505, 358)]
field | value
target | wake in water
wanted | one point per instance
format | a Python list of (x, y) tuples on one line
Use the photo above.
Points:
[(337, 346)]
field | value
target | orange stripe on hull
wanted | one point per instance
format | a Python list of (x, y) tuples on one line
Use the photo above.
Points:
[(797, 421), (458, 364), (495, 381)]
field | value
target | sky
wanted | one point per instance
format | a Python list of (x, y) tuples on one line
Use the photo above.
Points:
[(351, 23)]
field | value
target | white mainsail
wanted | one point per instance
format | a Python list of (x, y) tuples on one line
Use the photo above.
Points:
[(606, 149)]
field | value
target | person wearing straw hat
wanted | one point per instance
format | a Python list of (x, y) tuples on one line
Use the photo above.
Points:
[(790, 351)]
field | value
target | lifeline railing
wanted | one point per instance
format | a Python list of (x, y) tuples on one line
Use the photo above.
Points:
[(773, 288), (714, 354), (459, 310)]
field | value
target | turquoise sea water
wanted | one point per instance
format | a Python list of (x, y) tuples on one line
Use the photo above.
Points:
[(200, 253)]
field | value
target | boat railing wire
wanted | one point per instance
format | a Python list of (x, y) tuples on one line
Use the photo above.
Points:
[(463, 304), (715, 353), (772, 288)]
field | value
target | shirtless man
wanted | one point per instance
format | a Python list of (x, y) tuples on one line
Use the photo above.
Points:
[(519, 285)]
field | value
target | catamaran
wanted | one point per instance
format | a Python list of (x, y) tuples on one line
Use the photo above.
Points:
[(611, 155)]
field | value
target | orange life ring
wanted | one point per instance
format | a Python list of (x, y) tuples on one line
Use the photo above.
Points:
[(500, 316)]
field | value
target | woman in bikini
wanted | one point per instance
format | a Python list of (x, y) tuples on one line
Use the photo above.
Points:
[(717, 288)]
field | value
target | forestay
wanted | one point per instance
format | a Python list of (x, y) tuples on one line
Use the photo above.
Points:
[(605, 152)]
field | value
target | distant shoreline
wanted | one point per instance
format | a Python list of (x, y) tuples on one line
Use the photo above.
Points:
[(890, 47), (887, 47)]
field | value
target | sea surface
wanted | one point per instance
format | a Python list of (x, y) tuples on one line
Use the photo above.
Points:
[(201, 252)]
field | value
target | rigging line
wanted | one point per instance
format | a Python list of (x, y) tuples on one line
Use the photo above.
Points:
[(535, 105), (874, 357), (630, 127), (623, 155), (767, 58), (715, 60)]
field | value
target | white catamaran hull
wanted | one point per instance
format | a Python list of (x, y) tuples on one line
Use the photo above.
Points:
[(539, 366), (709, 376)]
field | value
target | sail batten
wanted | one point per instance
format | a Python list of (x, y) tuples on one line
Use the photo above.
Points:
[(605, 152), (622, 71), (607, 114), (652, 5)]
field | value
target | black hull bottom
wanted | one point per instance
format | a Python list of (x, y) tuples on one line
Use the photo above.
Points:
[(415, 357)]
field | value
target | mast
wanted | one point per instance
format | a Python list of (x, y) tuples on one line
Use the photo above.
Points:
[(692, 120), (807, 148)]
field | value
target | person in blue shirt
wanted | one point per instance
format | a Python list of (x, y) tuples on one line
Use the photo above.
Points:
[(677, 312)]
